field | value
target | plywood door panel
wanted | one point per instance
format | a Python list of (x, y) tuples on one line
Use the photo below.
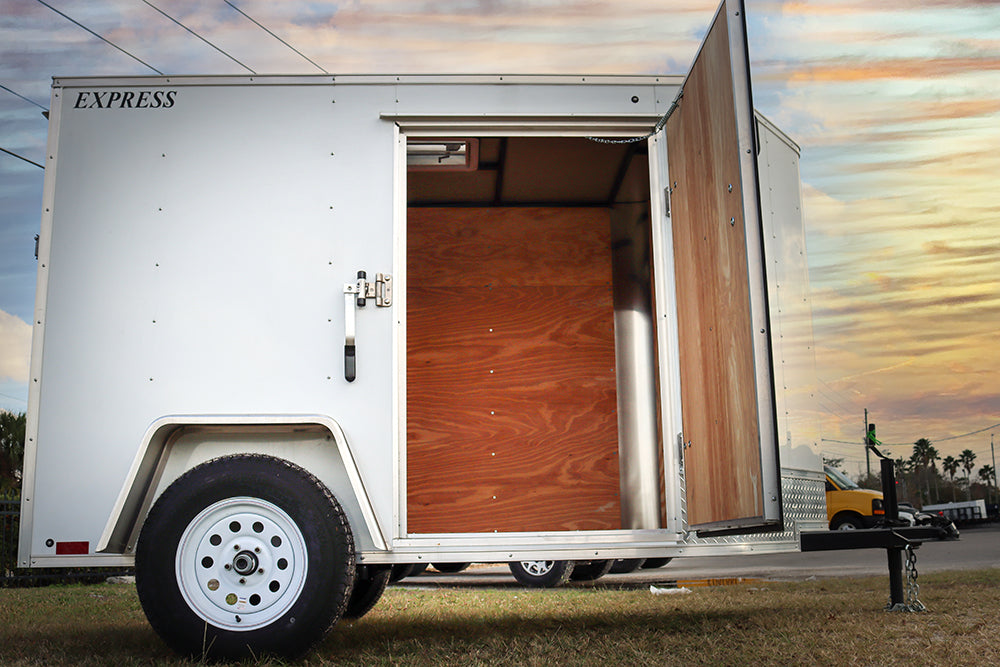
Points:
[(718, 383), (511, 402)]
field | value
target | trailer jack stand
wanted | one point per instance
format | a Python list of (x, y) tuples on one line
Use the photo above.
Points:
[(896, 596), (895, 554), (897, 540)]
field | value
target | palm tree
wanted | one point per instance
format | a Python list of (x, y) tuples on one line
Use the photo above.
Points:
[(988, 475), (968, 460), (923, 457), (950, 465)]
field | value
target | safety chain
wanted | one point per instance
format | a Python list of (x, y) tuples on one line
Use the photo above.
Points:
[(656, 128), (912, 602)]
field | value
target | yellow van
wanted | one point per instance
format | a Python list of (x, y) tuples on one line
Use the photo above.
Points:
[(848, 506)]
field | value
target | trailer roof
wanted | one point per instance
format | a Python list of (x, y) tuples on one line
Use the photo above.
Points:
[(371, 79)]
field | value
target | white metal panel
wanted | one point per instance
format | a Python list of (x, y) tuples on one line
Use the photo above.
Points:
[(788, 294), (198, 255), (506, 98)]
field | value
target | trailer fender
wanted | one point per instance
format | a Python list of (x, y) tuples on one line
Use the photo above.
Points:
[(174, 444)]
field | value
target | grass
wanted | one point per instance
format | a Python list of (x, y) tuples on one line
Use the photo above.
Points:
[(824, 622)]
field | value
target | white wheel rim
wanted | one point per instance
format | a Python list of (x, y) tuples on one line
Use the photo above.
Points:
[(847, 525), (537, 568), (241, 563)]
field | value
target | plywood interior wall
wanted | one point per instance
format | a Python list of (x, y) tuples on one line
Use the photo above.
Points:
[(511, 400)]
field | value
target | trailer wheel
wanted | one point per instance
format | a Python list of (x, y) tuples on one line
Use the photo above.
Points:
[(244, 556), (847, 522), (369, 585), (653, 563), (542, 573), (401, 571), (591, 570), (626, 565)]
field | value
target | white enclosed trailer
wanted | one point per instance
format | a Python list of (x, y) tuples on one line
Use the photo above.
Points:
[(292, 330)]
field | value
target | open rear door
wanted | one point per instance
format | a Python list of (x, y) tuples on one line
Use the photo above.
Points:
[(729, 436)]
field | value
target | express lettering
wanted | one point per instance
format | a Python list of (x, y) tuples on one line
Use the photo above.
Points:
[(128, 99)]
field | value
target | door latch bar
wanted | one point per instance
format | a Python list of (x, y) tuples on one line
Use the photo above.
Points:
[(356, 296)]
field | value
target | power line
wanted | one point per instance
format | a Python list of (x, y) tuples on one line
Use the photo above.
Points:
[(29, 101), (106, 41), (13, 398), (841, 395), (197, 35), (907, 444), (956, 437), (834, 400), (21, 157), (843, 442), (251, 19)]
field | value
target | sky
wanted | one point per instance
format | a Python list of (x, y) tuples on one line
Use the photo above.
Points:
[(896, 107)]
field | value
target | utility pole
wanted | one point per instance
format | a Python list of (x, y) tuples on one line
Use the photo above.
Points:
[(993, 454), (868, 454)]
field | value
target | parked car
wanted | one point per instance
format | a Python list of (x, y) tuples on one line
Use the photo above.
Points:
[(921, 518)]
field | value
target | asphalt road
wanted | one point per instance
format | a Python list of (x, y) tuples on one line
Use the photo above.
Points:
[(978, 548)]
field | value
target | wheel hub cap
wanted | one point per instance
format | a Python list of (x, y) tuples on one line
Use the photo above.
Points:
[(537, 568), (245, 563), (241, 563)]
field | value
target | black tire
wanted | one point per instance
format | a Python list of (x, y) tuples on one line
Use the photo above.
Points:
[(265, 557), (653, 563), (847, 522), (450, 568), (591, 570), (418, 569), (542, 573), (626, 565), (369, 584)]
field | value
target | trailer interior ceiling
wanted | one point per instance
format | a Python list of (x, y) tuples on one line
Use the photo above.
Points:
[(530, 346), (529, 171)]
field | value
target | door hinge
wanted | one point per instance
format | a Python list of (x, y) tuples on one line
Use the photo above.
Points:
[(356, 296), (380, 290)]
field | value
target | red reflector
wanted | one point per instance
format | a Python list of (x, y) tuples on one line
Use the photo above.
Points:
[(878, 511), (72, 548)]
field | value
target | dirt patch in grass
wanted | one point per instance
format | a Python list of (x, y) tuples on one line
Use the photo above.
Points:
[(825, 622)]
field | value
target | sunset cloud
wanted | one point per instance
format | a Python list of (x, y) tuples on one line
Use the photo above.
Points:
[(15, 345)]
